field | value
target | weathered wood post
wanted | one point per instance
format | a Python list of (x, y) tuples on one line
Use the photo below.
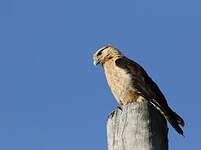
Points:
[(138, 126)]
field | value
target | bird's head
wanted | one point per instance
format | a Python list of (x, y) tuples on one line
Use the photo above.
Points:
[(105, 53)]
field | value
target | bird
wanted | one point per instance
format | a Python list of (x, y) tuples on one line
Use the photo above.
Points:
[(130, 83)]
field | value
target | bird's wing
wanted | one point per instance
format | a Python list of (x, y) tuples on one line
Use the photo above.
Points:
[(142, 83), (146, 87)]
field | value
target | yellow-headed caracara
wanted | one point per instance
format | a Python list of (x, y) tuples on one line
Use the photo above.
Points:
[(129, 83)]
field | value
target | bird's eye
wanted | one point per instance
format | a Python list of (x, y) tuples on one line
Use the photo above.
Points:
[(99, 53)]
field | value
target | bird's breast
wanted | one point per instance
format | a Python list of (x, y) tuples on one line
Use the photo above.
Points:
[(120, 82)]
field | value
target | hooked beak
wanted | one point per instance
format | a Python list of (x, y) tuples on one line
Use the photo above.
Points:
[(96, 61)]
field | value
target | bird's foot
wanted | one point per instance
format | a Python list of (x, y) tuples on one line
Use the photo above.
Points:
[(111, 114)]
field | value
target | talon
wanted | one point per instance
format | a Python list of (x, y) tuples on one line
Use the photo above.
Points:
[(111, 114), (119, 108)]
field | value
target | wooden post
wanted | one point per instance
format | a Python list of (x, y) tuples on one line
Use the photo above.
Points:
[(138, 126)]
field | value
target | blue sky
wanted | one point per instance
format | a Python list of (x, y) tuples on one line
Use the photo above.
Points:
[(52, 97)]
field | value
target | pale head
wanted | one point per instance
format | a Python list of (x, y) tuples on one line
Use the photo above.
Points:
[(105, 53)]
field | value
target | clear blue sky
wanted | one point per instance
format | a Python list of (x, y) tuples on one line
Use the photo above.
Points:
[(51, 95)]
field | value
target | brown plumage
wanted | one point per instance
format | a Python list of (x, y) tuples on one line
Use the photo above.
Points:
[(129, 83)]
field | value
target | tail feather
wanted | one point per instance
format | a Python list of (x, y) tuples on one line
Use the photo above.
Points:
[(179, 119), (175, 125), (174, 119)]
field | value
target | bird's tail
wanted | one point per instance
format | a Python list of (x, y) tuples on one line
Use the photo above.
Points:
[(174, 119)]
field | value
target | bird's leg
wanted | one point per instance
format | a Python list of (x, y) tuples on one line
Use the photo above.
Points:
[(111, 114)]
